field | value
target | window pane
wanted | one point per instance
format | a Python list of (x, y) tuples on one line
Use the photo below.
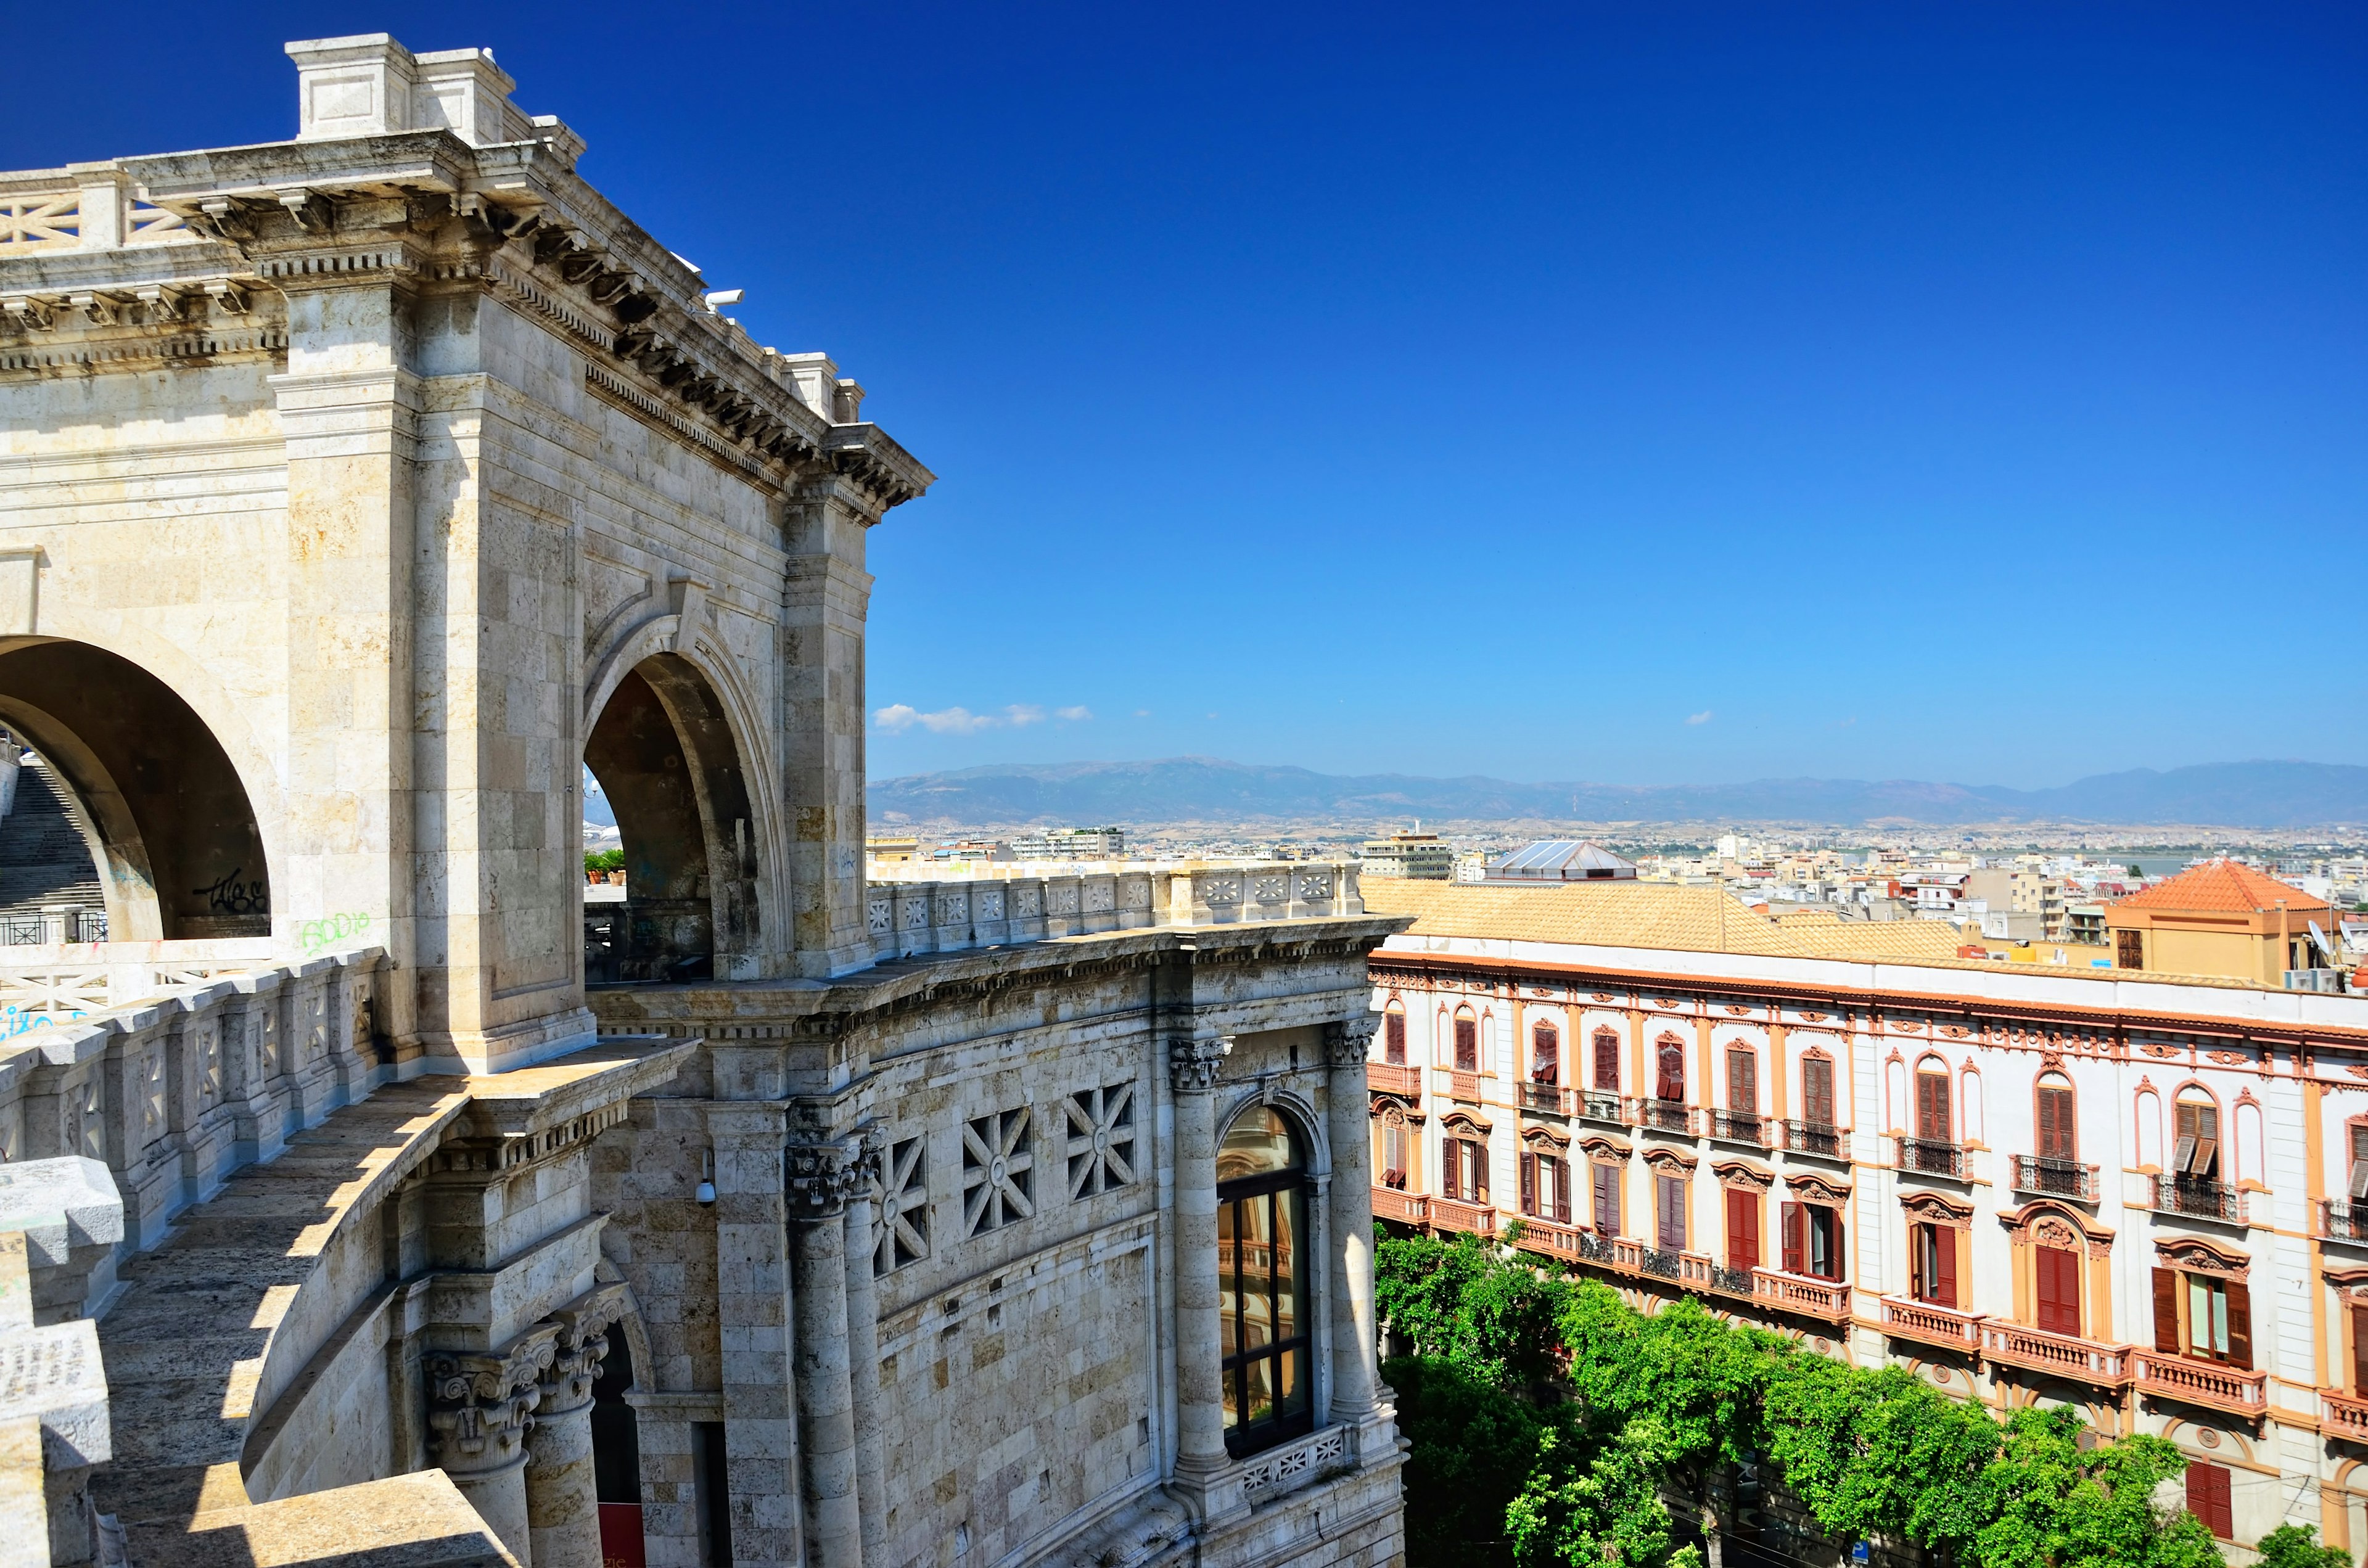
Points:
[(1258, 1401), (1258, 1143), (1289, 1265), (1230, 1381), (1257, 1259), (1228, 1280), (1295, 1382)]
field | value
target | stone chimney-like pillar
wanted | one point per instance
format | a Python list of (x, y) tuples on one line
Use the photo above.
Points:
[(480, 1410), (562, 1503), (1347, 1112), (1199, 1384), (863, 1343), (821, 1179)]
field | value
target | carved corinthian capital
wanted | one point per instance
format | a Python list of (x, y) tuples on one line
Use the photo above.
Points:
[(581, 1346), (822, 1178), (1192, 1064), (480, 1406), (1349, 1041)]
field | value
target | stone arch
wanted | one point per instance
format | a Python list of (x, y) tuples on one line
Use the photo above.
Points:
[(1298, 1110), (673, 764), (166, 816)]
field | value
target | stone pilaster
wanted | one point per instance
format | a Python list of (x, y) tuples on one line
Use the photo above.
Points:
[(562, 1506), (752, 1310), (1347, 1045), (822, 1176), (1199, 1408), (863, 1342), (480, 1409), (826, 601)]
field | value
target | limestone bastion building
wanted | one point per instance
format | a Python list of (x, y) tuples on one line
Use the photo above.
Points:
[(357, 491)]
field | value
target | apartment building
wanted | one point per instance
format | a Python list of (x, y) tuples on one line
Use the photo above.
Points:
[(1424, 856), (2143, 1196)]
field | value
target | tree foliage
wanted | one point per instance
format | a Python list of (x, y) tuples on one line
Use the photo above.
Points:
[(1551, 1423), (2296, 1546)]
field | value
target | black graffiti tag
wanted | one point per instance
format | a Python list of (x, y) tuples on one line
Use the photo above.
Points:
[(228, 895)]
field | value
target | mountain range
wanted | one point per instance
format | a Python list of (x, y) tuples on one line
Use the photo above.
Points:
[(1206, 789)]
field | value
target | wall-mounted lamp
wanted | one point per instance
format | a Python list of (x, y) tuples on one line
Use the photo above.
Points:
[(706, 1192)]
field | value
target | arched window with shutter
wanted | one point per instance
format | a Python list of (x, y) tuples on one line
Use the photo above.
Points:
[(1545, 1053), (2059, 1138), (1932, 1120), (1669, 1069), (1467, 1041), (1393, 1034), (1607, 1062)]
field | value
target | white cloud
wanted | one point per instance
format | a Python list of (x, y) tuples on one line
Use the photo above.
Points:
[(1701, 718), (1074, 715), (899, 717), (1021, 713)]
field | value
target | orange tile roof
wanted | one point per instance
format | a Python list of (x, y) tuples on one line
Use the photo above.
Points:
[(2225, 886)]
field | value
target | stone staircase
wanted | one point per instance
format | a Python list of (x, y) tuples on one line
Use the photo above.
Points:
[(43, 859)]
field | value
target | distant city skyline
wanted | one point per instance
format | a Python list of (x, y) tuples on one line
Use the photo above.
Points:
[(1659, 395)]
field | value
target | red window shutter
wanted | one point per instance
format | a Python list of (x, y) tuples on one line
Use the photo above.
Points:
[(1607, 1062), (1529, 1183), (1450, 1168), (1794, 1253), (2166, 1311), (1545, 1054), (1479, 1182), (1467, 1046), (2059, 1291), (2240, 1326), (1817, 1091), (1742, 1228), (1394, 1039), (1671, 1085), (1606, 1200), (1561, 1191), (1944, 1266), (2208, 1498), (1933, 1106), (2056, 1141), (1742, 1083), (2360, 1351)]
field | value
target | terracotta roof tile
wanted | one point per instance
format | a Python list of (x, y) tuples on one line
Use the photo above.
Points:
[(2227, 886)]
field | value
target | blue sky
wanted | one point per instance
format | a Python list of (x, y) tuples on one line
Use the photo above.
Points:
[(1648, 394)]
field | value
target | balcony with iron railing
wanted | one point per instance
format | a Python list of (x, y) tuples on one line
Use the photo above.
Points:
[(1930, 1323), (2198, 1198), (1740, 1126), (2056, 1178), (1406, 1208), (2082, 1361), (1596, 1106), (2343, 1222), (1549, 1098), (2208, 1383), (1392, 1078), (1931, 1156), (1821, 1138), (1661, 1116)]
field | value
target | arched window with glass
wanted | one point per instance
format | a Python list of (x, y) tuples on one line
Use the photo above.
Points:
[(1262, 1293)]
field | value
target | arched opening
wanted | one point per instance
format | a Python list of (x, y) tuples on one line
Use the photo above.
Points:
[(665, 757), (616, 1455), (161, 813), (1264, 1311)]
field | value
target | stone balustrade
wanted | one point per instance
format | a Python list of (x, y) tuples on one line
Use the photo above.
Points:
[(174, 1090), (1002, 906), (83, 207)]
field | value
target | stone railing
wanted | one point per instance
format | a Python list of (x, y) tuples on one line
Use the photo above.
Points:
[(909, 916), (1391, 1078), (1828, 1299), (1406, 1208), (2082, 1361), (175, 1091), (2345, 1414), (58, 982), (1294, 1465), (2207, 1383), (1905, 1319), (89, 207)]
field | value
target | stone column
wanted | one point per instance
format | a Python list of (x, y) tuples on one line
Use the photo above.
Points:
[(1347, 1045), (827, 600), (1199, 1408), (821, 1179), (480, 1410), (562, 1506), (752, 1311), (863, 1342)]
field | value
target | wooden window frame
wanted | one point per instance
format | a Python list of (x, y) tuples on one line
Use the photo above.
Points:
[(1603, 1039), (1394, 1035), (1809, 1101), (2067, 1118), (1545, 1029), (1464, 1018)]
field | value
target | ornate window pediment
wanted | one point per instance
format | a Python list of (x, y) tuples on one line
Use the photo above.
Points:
[(1737, 1172), (1604, 1148), (1464, 1123), (1670, 1162), (1934, 1209), (1545, 1139), (1807, 1188), (2198, 1255)]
